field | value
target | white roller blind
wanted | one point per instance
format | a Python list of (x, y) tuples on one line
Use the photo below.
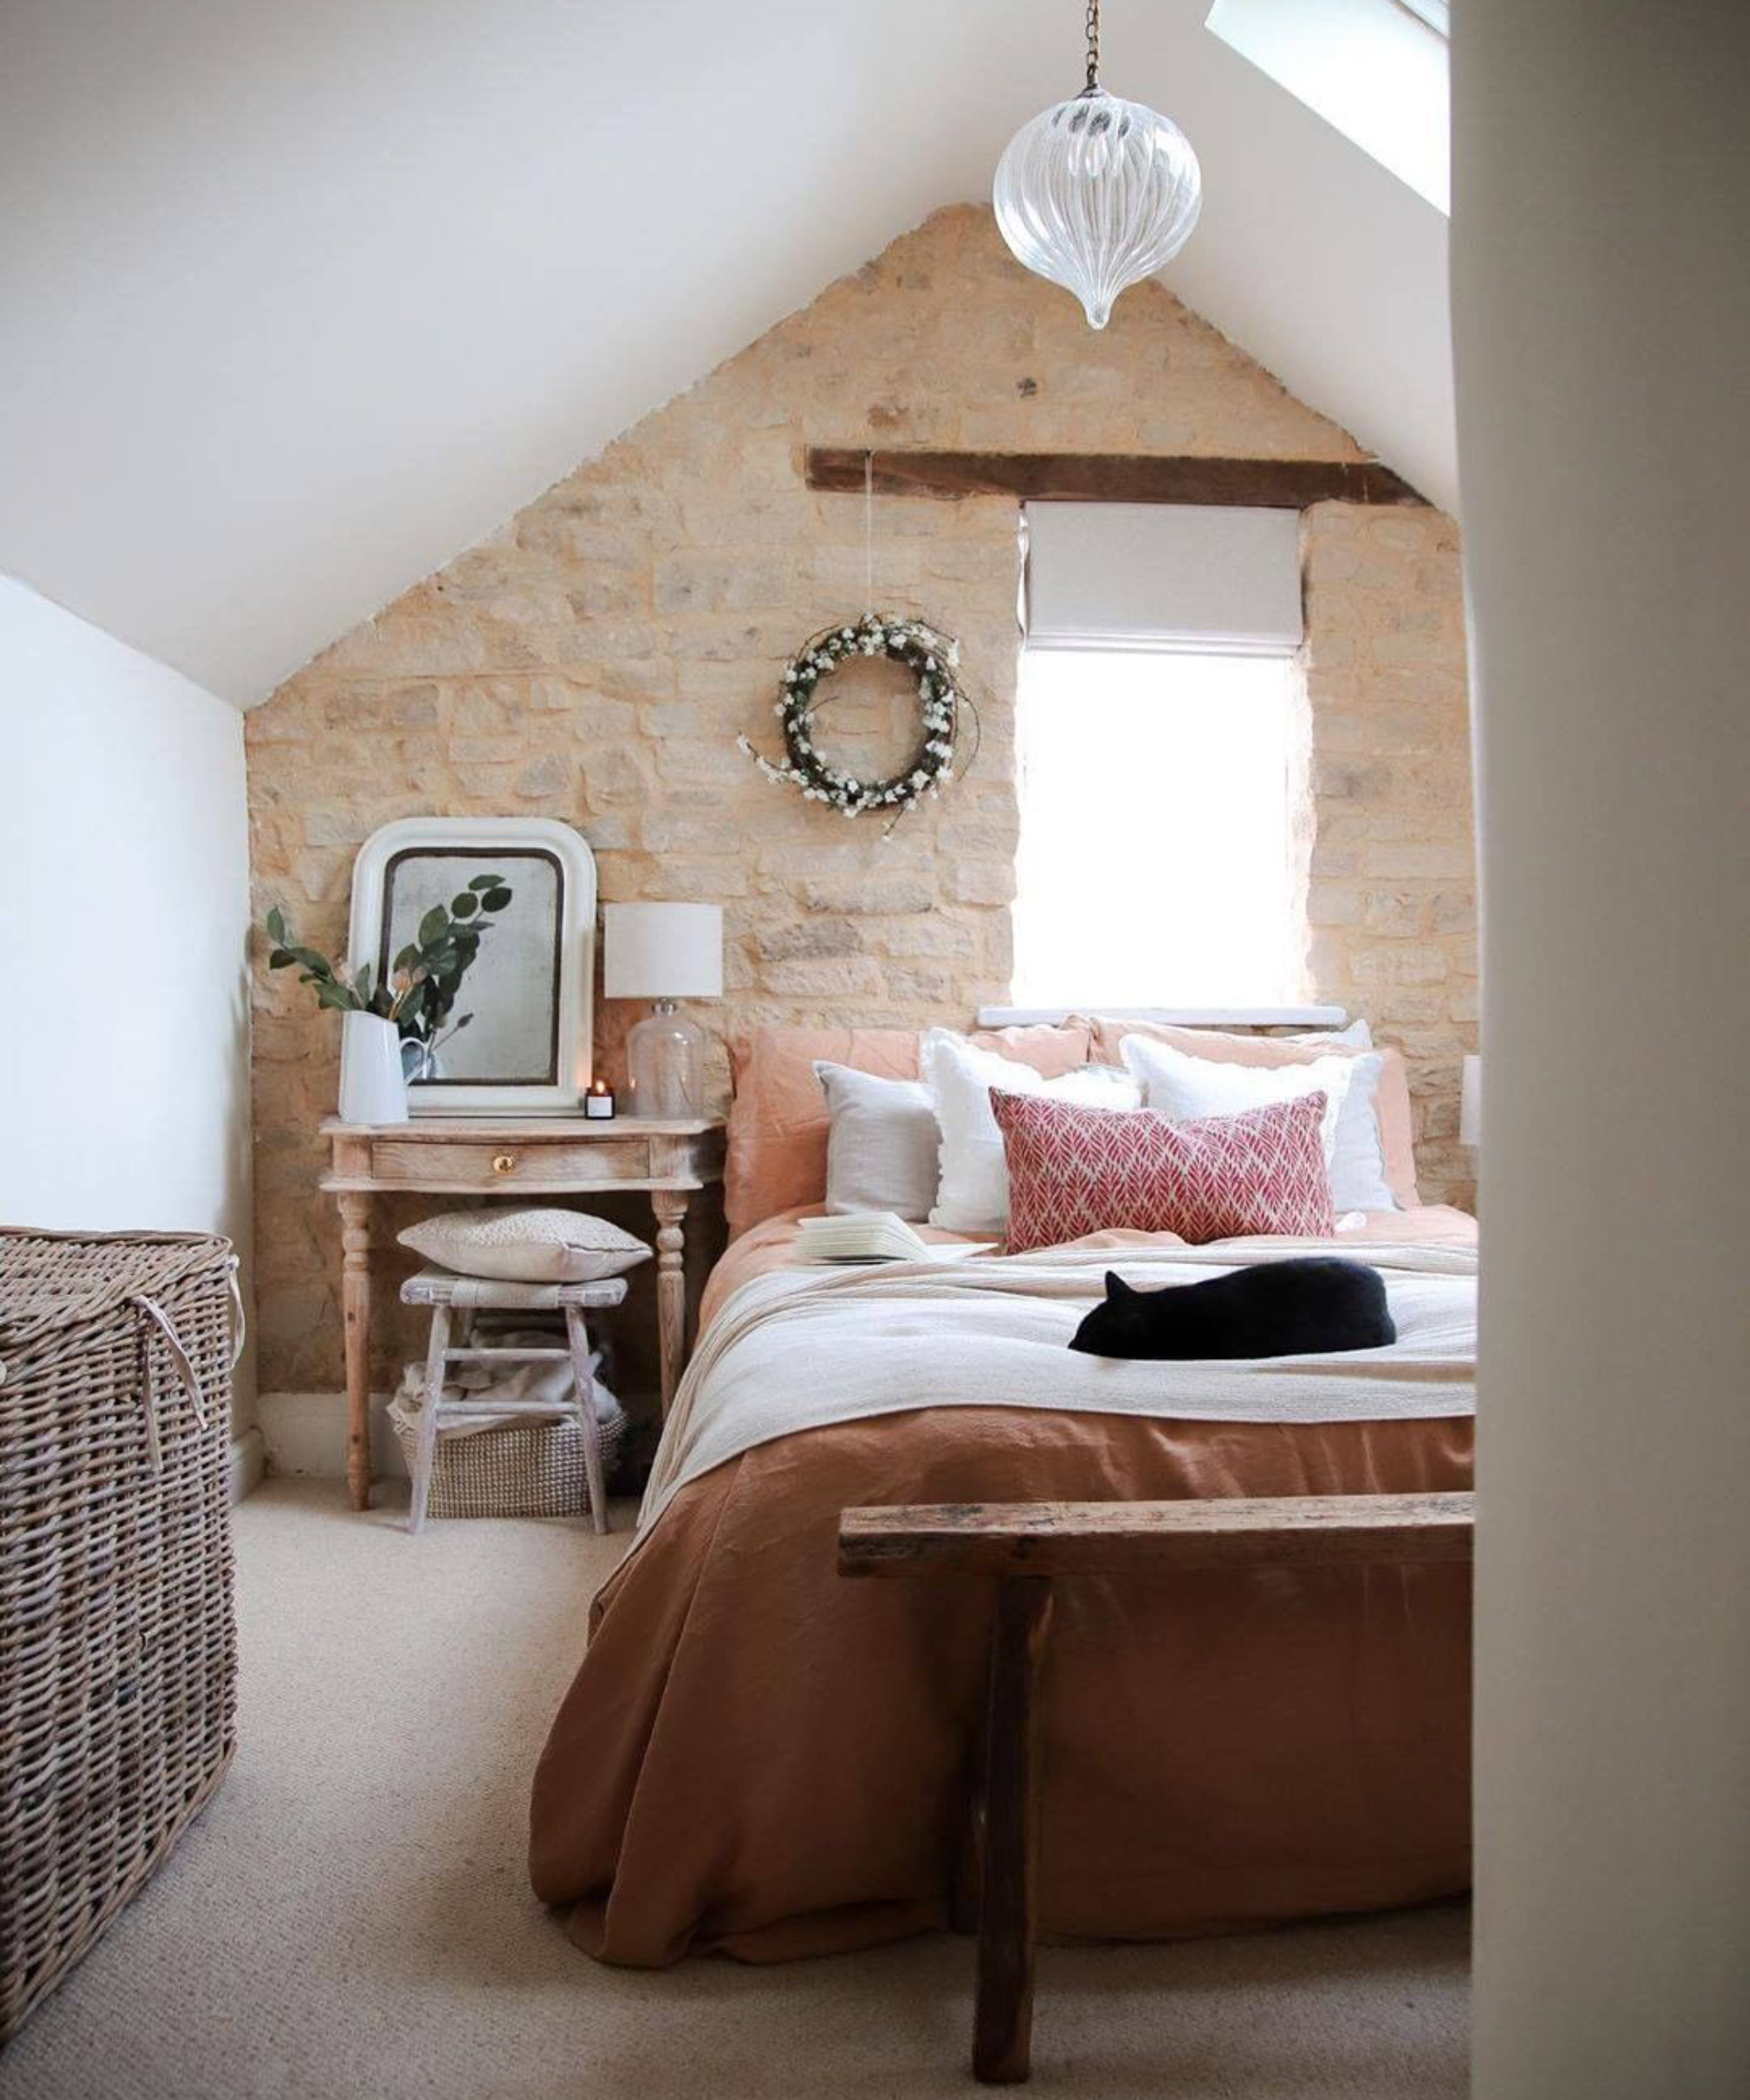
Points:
[(1162, 575)]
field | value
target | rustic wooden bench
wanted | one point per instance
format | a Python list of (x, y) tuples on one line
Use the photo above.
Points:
[(1024, 1546)]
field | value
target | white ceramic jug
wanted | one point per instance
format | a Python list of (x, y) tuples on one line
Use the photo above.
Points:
[(372, 1088)]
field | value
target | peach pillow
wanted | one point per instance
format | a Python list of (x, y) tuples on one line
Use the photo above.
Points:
[(1391, 1099), (777, 1120)]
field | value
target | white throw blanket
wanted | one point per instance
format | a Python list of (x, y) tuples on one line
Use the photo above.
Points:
[(798, 1350)]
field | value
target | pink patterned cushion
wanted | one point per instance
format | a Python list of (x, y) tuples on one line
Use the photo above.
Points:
[(1078, 1170)]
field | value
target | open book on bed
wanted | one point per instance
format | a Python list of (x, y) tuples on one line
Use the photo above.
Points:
[(872, 1235)]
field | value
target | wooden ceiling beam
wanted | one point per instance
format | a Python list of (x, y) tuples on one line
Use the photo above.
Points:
[(1110, 478)]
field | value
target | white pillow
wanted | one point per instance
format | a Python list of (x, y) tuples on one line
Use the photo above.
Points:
[(974, 1195), (1186, 1088), (1358, 1179), (881, 1153), (526, 1246)]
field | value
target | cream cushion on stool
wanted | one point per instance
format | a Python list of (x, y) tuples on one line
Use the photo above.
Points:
[(526, 1246)]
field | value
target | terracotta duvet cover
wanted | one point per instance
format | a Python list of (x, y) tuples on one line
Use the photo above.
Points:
[(758, 1757)]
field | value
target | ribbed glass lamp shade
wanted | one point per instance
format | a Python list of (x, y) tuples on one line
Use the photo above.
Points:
[(1095, 193)]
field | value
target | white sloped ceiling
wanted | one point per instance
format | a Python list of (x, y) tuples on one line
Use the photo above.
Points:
[(297, 302)]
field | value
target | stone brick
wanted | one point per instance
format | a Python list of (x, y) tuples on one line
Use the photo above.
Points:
[(617, 773), (1395, 912), (877, 895), (809, 937), (542, 778), (825, 978), (983, 881), (1398, 962), (600, 655), (1396, 861)]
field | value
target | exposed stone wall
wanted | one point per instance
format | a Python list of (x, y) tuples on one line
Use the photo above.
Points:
[(1391, 899), (596, 658)]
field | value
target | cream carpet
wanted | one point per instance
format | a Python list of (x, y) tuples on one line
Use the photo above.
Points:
[(350, 1917)]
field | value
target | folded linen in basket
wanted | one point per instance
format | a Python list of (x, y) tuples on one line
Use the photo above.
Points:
[(475, 1382)]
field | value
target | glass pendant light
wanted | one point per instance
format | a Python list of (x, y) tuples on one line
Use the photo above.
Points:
[(1096, 192)]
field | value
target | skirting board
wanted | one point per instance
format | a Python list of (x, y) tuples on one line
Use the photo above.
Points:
[(306, 1434), (248, 1462)]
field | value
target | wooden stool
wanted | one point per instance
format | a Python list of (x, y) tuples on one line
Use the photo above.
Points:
[(469, 1295), (1024, 1545)]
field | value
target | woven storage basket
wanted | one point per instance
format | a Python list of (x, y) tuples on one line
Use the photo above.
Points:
[(534, 1469), (117, 1642)]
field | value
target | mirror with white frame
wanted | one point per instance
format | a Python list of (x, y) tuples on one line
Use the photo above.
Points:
[(525, 1046)]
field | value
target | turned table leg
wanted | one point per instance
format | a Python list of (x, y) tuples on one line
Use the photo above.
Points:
[(355, 1313), (670, 1207)]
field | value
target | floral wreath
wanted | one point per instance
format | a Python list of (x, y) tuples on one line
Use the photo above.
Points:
[(914, 642)]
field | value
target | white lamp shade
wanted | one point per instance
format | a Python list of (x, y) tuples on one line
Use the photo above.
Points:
[(1470, 1104), (663, 951)]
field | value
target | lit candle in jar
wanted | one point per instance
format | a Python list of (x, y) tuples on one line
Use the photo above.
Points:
[(599, 1102)]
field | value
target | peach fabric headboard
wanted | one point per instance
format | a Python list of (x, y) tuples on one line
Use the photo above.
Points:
[(778, 1120)]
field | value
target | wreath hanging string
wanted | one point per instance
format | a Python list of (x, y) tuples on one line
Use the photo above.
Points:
[(931, 655)]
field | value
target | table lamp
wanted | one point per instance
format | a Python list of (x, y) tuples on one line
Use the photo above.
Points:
[(664, 952), (1470, 1104)]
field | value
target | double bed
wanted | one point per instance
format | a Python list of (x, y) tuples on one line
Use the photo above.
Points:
[(759, 1759)]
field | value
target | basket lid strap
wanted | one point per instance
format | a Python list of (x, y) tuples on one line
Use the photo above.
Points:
[(184, 1371), (239, 1323)]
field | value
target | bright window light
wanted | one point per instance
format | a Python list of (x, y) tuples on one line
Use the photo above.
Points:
[(1154, 867), (1376, 69)]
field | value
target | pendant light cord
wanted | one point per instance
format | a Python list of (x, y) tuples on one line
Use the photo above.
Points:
[(1093, 46), (869, 532)]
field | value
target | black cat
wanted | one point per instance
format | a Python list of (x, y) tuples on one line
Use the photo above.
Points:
[(1304, 1307)]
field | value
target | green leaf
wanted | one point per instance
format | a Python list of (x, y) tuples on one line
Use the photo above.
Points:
[(408, 957), (281, 958), (463, 907), (495, 900), (487, 882), (433, 926), (276, 924)]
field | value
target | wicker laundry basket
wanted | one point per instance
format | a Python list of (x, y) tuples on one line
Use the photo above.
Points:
[(118, 1641), (534, 1469)]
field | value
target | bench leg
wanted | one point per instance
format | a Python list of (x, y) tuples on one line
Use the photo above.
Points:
[(1002, 2030)]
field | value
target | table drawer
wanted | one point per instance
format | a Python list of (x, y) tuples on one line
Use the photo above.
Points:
[(509, 1163)]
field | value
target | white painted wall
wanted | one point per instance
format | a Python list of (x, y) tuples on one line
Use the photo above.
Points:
[(301, 300), (124, 894), (1602, 191)]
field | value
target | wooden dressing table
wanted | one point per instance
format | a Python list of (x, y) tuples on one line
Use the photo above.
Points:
[(531, 1159)]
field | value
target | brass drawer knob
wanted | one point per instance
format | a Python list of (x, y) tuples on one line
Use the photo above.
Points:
[(503, 1163)]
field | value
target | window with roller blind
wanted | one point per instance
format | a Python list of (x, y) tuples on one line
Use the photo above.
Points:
[(1155, 720)]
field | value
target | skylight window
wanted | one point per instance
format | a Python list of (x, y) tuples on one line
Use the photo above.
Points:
[(1436, 13), (1374, 69)]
